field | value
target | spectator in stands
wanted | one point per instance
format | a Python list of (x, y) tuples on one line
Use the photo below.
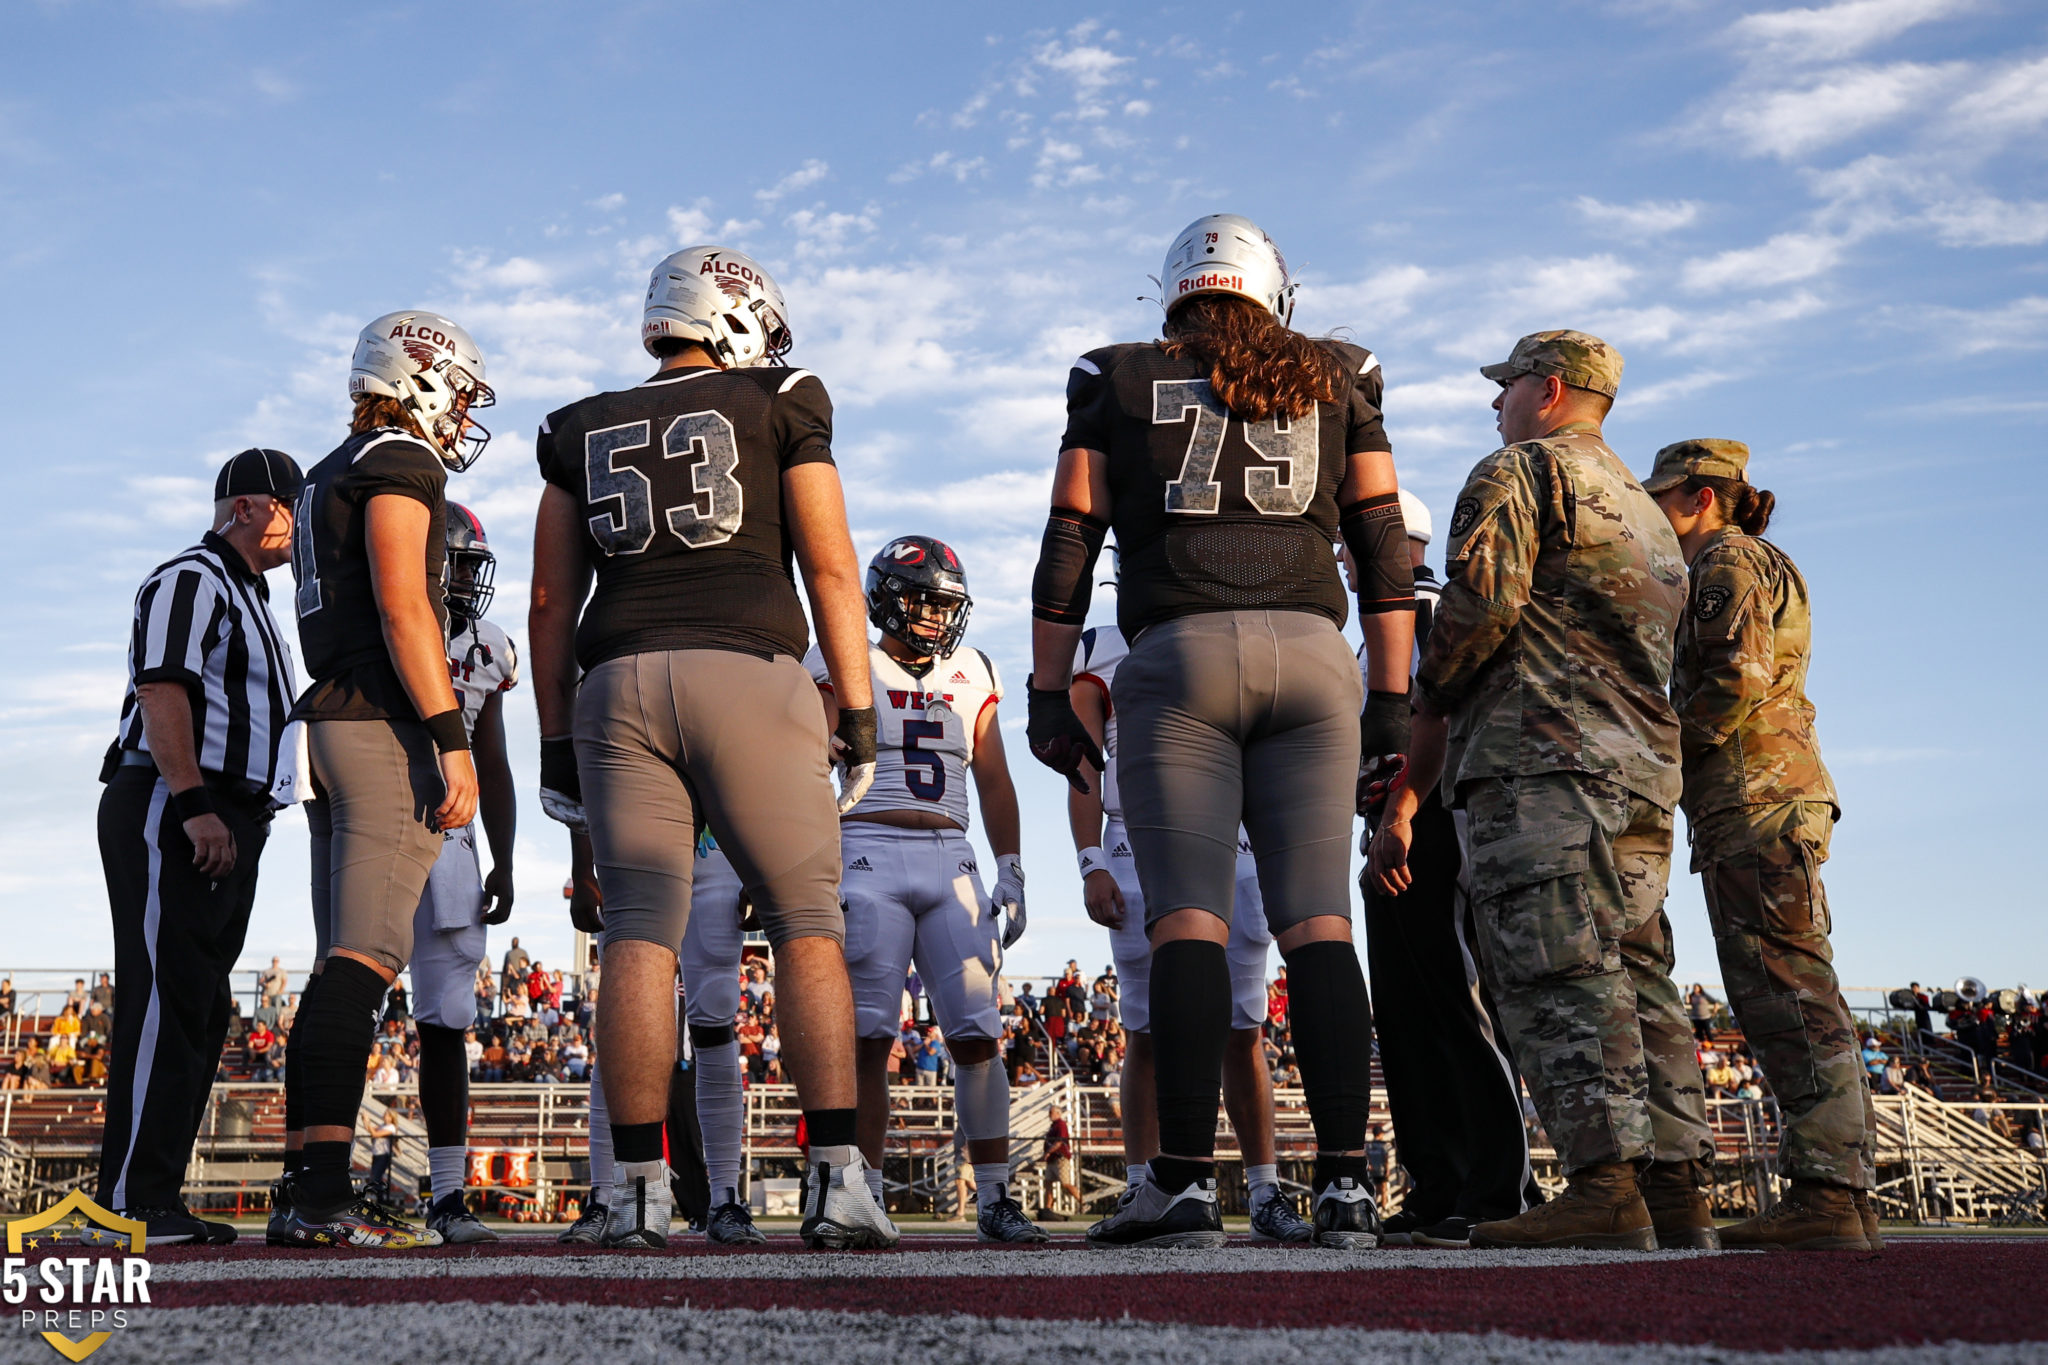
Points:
[(289, 1015), (1027, 1003), (89, 1065), (931, 1054), (97, 1023), (1923, 1010), (486, 989), (2021, 1044), (6, 997), (1059, 1157), (1721, 1080), (76, 1000), (1378, 1161), (751, 1035), (473, 1051), (257, 1048), (494, 1060), (1027, 1076), (67, 1024), (756, 987), (383, 1140), (273, 984), (1893, 1081), (62, 1050), (103, 994), (1101, 1001), (1276, 999), (1700, 1007)]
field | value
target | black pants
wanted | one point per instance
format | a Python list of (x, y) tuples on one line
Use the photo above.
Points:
[(1457, 1113), (176, 938)]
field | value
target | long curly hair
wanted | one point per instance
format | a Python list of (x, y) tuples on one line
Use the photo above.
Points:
[(1258, 366), (374, 410)]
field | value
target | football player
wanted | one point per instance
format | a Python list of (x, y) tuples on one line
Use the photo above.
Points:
[(392, 772), (911, 886), (449, 929), (1228, 456), (687, 495), (1115, 900)]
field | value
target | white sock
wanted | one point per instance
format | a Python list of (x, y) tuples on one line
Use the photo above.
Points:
[(1135, 1176), (721, 1114), (1263, 1182), (601, 1168), (445, 1166), (875, 1185), (991, 1182)]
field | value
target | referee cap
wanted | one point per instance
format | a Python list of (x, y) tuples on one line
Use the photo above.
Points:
[(257, 470), (1415, 516)]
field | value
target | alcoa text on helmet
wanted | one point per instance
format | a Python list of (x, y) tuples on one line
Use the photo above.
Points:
[(435, 372), (1226, 254), (721, 299)]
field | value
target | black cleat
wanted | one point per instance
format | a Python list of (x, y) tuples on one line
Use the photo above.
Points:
[(1274, 1220), (1154, 1218), (1346, 1217), (1004, 1221), (1453, 1233), (588, 1227), (731, 1225)]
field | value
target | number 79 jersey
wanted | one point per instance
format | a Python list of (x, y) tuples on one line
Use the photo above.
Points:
[(924, 729), (1212, 511)]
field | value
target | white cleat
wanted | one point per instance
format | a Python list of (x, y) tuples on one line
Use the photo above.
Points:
[(641, 1208), (839, 1212)]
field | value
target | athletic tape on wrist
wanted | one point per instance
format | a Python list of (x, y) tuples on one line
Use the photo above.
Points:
[(448, 732)]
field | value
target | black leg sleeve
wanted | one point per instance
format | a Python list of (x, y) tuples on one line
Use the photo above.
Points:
[(1332, 1021), (444, 1086), (1190, 1004), (334, 1033)]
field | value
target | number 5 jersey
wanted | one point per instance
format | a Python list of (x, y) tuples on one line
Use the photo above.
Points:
[(925, 724)]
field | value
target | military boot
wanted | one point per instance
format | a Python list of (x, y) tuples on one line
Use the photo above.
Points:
[(1866, 1209), (1811, 1217), (1676, 1195), (1600, 1208)]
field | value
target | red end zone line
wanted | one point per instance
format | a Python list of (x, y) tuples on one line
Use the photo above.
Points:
[(1910, 1295)]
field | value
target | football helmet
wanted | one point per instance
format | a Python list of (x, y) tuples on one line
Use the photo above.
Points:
[(916, 580), (436, 373), (471, 565), (1226, 254), (721, 299)]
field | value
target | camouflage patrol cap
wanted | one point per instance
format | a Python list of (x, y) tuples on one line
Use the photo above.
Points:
[(1703, 455), (1578, 358)]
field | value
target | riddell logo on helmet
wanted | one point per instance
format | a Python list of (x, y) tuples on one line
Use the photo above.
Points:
[(423, 334), (1212, 280)]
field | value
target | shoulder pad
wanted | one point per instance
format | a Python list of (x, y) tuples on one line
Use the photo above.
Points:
[(1103, 360), (1358, 361)]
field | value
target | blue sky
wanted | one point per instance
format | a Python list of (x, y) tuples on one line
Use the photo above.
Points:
[(1818, 230)]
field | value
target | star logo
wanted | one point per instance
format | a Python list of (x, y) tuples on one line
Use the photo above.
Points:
[(92, 1225)]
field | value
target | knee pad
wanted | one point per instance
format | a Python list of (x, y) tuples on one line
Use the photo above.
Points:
[(333, 1039), (981, 1097)]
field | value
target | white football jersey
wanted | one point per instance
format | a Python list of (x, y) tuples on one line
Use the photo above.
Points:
[(1102, 649), (481, 661), (924, 729)]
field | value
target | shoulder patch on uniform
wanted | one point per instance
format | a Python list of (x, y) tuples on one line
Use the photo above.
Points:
[(795, 377), (1712, 601), (1462, 517)]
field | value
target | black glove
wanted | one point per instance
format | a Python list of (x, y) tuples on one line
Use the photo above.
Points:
[(853, 747), (561, 786), (1383, 727), (1058, 738)]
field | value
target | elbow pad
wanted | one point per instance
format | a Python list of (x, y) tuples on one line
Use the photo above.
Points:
[(1066, 566), (1378, 541)]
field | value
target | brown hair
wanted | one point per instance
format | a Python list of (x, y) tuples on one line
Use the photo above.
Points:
[(375, 410), (1747, 507), (1258, 365)]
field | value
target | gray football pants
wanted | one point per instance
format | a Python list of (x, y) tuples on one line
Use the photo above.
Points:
[(376, 785), (1240, 716)]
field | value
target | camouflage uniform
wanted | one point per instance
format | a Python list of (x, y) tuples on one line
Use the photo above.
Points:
[(1760, 807), (1550, 654)]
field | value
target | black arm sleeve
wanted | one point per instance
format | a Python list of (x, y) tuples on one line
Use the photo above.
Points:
[(1066, 566), (1378, 541)]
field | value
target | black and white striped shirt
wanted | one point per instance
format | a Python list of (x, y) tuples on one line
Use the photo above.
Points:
[(203, 619)]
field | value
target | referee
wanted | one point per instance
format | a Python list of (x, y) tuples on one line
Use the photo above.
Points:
[(192, 780)]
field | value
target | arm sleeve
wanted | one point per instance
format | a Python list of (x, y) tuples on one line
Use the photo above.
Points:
[(174, 627), (1091, 397), (801, 421), (1731, 629), (1366, 421), (404, 467), (1490, 561)]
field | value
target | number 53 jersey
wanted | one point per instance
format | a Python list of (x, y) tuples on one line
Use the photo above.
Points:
[(1214, 512), (678, 484), (924, 729)]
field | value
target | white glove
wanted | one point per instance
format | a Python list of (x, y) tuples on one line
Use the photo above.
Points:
[(560, 807), (1009, 897), (854, 781), (853, 753)]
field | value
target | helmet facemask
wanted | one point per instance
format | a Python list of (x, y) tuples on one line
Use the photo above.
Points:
[(932, 621), (441, 399), (471, 583)]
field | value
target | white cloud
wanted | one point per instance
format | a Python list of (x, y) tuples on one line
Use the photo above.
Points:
[(803, 177), (1467, 392), (608, 203), (1645, 218), (2015, 100), (1666, 390), (1786, 258), (1834, 32), (2019, 325), (696, 225), (1841, 103)]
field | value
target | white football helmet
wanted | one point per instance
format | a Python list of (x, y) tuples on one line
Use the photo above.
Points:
[(721, 299), (436, 373), (1226, 254)]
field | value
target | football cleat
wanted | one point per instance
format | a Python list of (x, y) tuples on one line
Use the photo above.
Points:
[(276, 1232), (642, 1206), (174, 1223), (588, 1227), (840, 1213), (730, 1225), (451, 1217), (1154, 1218), (1397, 1229), (1346, 1217), (1453, 1233), (362, 1222), (1004, 1221), (1274, 1220)]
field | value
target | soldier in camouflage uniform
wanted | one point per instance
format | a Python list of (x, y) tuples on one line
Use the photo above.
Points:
[(1760, 807), (1545, 676)]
